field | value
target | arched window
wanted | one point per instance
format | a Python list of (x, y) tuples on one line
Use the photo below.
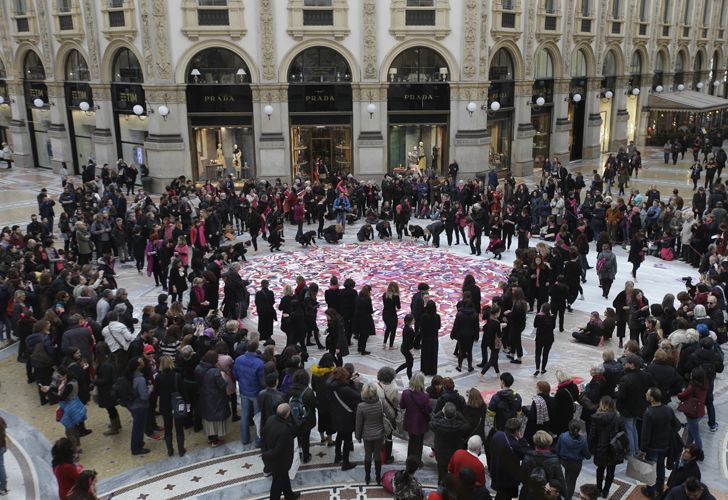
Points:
[(660, 63), (76, 68), (419, 64), (33, 67), (686, 12), (706, 13), (610, 65), (319, 64), (635, 67), (679, 68), (501, 66), (578, 64), (544, 65), (644, 11), (616, 9), (697, 69), (126, 67), (217, 66)]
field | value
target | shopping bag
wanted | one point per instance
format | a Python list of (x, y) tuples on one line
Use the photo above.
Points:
[(641, 470), (296, 460)]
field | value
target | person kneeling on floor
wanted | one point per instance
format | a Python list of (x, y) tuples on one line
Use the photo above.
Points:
[(592, 333)]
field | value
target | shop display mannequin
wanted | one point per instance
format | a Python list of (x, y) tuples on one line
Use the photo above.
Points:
[(421, 158), (237, 154), (220, 162)]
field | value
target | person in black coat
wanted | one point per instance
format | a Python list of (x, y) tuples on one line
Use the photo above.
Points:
[(278, 451), (390, 305), (105, 375), (347, 306), (344, 400), (622, 303), (470, 286), (491, 339), (544, 324), (430, 330), (451, 429), (666, 377), (567, 393), (300, 388), (559, 296), (168, 382), (331, 296), (408, 342), (685, 467), (177, 281), (265, 306), (336, 342), (417, 308), (363, 323), (506, 451), (605, 423), (465, 330)]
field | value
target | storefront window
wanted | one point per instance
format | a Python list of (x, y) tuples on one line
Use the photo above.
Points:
[(541, 115), (319, 151), (500, 123), (39, 118), (414, 148), (221, 149), (126, 67), (81, 124), (131, 130), (419, 65), (76, 68)]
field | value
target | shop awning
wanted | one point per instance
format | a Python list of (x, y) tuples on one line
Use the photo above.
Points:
[(687, 101)]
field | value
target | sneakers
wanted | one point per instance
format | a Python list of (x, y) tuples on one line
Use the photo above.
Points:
[(713, 428)]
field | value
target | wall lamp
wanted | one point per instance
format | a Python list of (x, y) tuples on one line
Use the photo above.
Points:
[(606, 96), (371, 107), (87, 108), (471, 107), (6, 101), (536, 106), (575, 97), (41, 104)]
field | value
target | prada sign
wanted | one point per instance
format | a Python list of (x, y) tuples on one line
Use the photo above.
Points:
[(78, 92), (418, 97), (127, 95), (209, 99), (315, 98)]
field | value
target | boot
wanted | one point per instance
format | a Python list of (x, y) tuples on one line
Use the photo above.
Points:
[(114, 427), (181, 445), (378, 472), (168, 442), (367, 471)]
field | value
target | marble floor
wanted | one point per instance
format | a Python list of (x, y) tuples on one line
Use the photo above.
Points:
[(230, 471)]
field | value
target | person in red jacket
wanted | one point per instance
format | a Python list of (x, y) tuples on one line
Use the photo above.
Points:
[(693, 404), (470, 459)]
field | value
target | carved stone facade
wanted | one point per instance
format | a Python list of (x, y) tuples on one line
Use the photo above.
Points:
[(267, 39), (369, 42)]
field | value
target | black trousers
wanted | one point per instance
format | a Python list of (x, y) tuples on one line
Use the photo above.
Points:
[(409, 362), (606, 286), (280, 485), (415, 445), (465, 351), (492, 361), (542, 354)]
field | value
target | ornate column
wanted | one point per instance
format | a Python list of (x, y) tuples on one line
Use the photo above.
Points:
[(592, 148), (18, 126), (58, 132), (103, 135), (560, 135), (468, 131), (618, 137), (370, 149), (273, 156), (165, 147), (522, 154)]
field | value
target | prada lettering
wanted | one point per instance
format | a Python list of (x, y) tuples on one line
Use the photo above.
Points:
[(419, 97), (320, 98), (218, 98)]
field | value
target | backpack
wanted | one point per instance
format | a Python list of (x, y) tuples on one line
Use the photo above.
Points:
[(122, 391), (505, 410), (299, 412), (537, 477), (180, 408), (619, 446)]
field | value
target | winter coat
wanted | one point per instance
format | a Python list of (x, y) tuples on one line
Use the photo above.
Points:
[(569, 447), (549, 463), (504, 459), (309, 401), (604, 425), (564, 398), (417, 410), (450, 434), (667, 379), (609, 268), (105, 376), (213, 403), (369, 419), (465, 328), (631, 391), (363, 322), (694, 392), (343, 419), (278, 450)]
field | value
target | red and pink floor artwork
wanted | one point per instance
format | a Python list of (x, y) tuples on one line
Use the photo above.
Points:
[(376, 264)]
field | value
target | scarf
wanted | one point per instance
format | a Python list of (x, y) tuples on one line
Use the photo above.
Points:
[(542, 411)]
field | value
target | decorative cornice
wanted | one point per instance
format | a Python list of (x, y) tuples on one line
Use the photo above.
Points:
[(101, 91), (369, 41), (268, 93), (267, 40), (360, 92), (468, 91), (164, 94), (523, 88)]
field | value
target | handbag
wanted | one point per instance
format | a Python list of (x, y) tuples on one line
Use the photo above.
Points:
[(642, 470), (577, 407), (690, 407), (386, 423), (344, 405), (59, 414)]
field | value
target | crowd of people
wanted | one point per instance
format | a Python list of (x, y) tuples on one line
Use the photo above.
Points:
[(193, 360)]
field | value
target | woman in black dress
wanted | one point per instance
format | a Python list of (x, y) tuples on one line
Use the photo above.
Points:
[(336, 341), (430, 330), (391, 303), (637, 252), (516, 324), (465, 330), (470, 286), (363, 318)]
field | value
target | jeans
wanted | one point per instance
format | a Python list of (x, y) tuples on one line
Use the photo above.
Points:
[(694, 432), (572, 469), (3, 475), (631, 427), (658, 456), (7, 327), (138, 422), (245, 419)]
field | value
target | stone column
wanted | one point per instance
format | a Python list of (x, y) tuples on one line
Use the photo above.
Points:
[(167, 153), (103, 135), (618, 137), (468, 130), (560, 134), (58, 131), (369, 142), (272, 141), (18, 126), (522, 153), (592, 148)]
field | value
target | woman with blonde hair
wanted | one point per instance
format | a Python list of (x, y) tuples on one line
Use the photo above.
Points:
[(370, 415), (566, 394), (391, 303), (417, 409)]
